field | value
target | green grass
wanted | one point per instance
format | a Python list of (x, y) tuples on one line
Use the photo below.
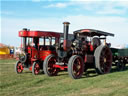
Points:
[(25, 84)]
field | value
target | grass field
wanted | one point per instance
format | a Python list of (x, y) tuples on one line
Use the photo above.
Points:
[(25, 84)]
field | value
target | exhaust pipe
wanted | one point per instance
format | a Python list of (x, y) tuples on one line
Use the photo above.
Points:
[(24, 41), (66, 28)]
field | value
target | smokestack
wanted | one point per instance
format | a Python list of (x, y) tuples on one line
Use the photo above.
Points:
[(66, 28), (24, 40)]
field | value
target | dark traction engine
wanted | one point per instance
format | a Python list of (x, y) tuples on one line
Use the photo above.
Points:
[(79, 54)]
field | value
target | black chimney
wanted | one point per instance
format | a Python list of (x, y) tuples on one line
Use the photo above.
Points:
[(24, 41), (66, 28)]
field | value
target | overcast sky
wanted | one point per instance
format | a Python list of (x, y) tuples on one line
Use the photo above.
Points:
[(107, 15)]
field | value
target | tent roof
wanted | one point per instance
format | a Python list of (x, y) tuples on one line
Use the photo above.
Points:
[(2, 45)]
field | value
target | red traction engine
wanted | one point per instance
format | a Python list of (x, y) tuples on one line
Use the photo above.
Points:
[(36, 45), (84, 51)]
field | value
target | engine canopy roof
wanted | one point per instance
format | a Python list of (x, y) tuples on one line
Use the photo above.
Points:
[(92, 32), (26, 33)]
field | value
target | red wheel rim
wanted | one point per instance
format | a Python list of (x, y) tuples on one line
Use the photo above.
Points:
[(51, 69), (77, 67), (19, 68), (36, 68), (105, 60)]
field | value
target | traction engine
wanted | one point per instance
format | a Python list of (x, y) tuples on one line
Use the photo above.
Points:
[(76, 55), (36, 46)]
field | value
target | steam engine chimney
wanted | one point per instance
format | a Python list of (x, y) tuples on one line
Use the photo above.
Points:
[(24, 40), (66, 28)]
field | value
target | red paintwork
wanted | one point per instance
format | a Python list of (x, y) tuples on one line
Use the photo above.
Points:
[(65, 45), (30, 68), (24, 33), (37, 69), (39, 54), (61, 67), (85, 30), (77, 67), (20, 68), (43, 50), (91, 47)]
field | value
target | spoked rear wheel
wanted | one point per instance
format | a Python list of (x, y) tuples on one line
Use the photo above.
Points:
[(103, 59), (48, 66), (35, 68), (75, 67), (18, 67)]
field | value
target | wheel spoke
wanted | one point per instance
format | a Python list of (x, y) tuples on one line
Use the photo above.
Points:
[(36, 68), (74, 67), (51, 69), (77, 67), (103, 57), (19, 67)]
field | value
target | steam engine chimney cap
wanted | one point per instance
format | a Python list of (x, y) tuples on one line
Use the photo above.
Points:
[(25, 29), (66, 22)]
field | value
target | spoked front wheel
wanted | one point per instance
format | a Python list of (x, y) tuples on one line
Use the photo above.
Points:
[(75, 67), (18, 67), (48, 66), (35, 68)]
